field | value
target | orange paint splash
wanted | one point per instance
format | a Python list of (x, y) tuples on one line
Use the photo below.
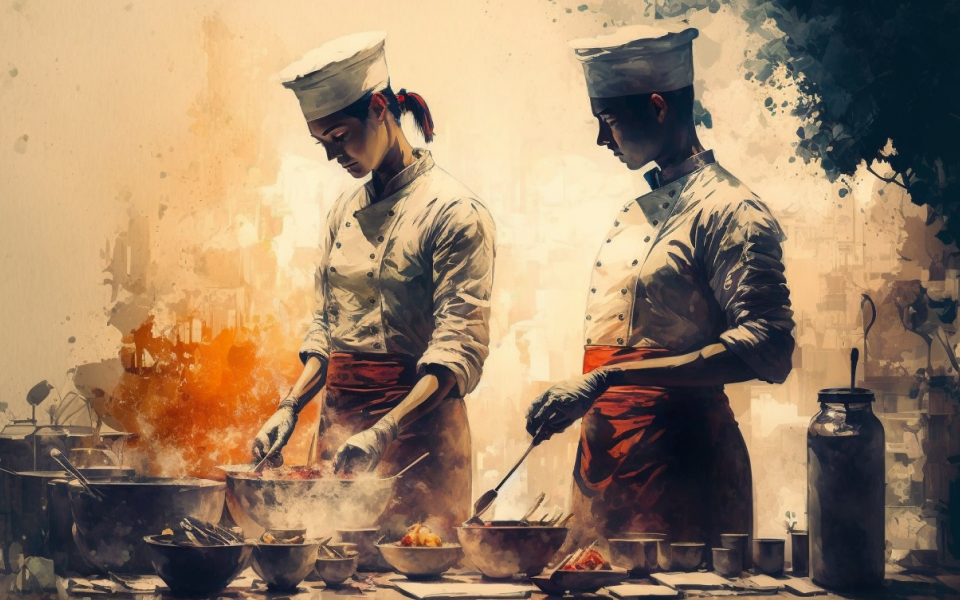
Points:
[(200, 405)]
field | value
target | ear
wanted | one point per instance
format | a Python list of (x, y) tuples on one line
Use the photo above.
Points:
[(660, 107), (378, 106)]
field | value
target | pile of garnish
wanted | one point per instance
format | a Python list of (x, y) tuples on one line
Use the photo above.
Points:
[(419, 536), (586, 559), (279, 538), (197, 533)]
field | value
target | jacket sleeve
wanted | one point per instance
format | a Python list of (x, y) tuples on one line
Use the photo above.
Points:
[(317, 341), (744, 262), (463, 255)]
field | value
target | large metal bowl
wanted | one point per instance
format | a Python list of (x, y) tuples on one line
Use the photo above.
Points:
[(319, 505), (501, 551), (109, 533)]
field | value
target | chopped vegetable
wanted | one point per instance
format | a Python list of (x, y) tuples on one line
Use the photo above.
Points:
[(420, 536)]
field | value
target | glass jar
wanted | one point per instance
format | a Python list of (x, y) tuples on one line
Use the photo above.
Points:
[(846, 491)]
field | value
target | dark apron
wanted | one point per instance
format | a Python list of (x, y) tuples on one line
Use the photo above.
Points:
[(362, 388), (660, 460)]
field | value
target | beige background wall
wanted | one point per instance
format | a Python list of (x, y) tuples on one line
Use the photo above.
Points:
[(167, 113)]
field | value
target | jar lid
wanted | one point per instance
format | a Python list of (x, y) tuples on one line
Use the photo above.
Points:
[(846, 395)]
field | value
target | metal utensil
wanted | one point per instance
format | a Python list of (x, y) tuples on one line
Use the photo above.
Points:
[(864, 300), (410, 466), (533, 508), (64, 462), (484, 501), (854, 358)]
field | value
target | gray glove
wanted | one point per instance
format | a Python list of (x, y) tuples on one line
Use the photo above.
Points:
[(561, 405), (363, 451), (275, 434)]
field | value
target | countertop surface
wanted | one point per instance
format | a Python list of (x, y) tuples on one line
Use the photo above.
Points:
[(247, 586)]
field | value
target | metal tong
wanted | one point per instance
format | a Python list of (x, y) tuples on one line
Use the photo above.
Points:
[(484, 501), (64, 462)]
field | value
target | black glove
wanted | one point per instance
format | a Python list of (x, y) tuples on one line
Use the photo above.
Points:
[(561, 405)]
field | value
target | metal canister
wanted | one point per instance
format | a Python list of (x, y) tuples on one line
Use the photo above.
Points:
[(845, 491)]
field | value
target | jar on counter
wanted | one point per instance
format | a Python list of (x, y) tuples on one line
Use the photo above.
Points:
[(846, 491)]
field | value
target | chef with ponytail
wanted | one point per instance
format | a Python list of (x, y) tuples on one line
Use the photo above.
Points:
[(401, 328)]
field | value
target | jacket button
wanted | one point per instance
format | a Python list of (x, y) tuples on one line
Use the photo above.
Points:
[(616, 223), (593, 290), (666, 204), (348, 223), (589, 317), (333, 269), (620, 341), (373, 301), (623, 291), (620, 317), (391, 213), (369, 273), (598, 263), (377, 345), (627, 209), (672, 193), (646, 239), (655, 222), (589, 340), (635, 263), (338, 244), (380, 238), (608, 240), (373, 256)]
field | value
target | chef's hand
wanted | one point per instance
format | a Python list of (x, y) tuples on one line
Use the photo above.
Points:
[(557, 408), (362, 451), (274, 434)]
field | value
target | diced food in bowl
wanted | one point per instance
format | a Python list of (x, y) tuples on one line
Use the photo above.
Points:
[(587, 560), (272, 538), (420, 536), (421, 554)]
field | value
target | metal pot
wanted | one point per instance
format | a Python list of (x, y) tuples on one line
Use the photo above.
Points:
[(60, 545), (109, 533)]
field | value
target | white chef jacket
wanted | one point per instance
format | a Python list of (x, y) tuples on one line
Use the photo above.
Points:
[(410, 273), (694, 262)]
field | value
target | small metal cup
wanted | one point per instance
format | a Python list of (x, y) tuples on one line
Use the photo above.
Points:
[(800, 549), (727, 562), (741, 543), (768, 556), (664, 555)]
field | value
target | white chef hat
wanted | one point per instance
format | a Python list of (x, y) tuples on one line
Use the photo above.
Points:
[(338, 73), (637, 60)]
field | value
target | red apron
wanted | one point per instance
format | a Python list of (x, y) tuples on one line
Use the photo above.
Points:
[(360, 389), (660, 460)]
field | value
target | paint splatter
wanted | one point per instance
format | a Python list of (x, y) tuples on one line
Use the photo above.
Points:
[(14, 72), (163, 174), (20, 146), (71, 339)]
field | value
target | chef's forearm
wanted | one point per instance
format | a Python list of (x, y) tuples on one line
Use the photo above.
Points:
[(710, 366), (310, 382), (429, 391)]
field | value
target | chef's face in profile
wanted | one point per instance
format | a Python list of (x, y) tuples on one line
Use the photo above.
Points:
[(359, 146), (634, 128)]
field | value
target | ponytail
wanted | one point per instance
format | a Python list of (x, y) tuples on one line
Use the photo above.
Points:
[(397, 104), (417, 107)]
